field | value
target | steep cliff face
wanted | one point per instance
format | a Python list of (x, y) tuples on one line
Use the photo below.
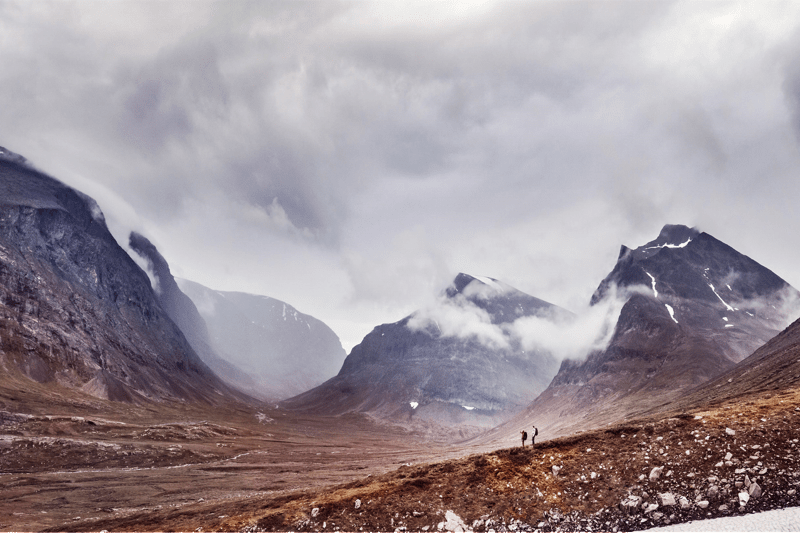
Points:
[(184, 313), (283, 351), (414, 371), (695, 307), (75, 310)]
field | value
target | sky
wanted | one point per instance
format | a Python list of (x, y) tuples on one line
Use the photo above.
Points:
[(350, 158)]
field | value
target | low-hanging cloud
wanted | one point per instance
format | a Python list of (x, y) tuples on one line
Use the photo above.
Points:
[(572, 336), (458, 317), (562, 335)]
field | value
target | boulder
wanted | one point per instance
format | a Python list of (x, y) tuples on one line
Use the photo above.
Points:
[(666, 499), (630, 503), (454, 523), (754, 490), (655, 473)]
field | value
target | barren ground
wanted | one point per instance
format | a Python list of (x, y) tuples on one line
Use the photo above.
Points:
[(72, 472), (234, 473)]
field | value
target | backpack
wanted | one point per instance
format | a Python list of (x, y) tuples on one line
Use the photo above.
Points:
[(524, 436), (535, 431)]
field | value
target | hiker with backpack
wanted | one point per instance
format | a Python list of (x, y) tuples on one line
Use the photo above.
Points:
[(533, 436), (524, 437)]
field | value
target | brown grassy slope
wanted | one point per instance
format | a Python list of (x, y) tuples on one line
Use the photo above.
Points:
[(598, 469)]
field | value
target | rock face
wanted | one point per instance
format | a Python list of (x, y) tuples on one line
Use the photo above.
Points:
[(424, 370), (283, 351), (774, 366), (694, 308), (75, 309), (184, 313)]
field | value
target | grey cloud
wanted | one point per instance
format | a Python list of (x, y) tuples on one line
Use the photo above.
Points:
[(388, 146)]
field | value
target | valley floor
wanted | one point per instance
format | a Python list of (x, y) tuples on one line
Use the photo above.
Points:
[(279, 471)]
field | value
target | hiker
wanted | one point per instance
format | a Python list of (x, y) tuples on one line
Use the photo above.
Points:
[(524, 437), (533, 436)]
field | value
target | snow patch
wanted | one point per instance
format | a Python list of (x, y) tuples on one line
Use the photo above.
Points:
[(490, 282), (671, 312), (720, 298), (725, 318), (682, 245), (654, 283), (467, 407), (728, 325), (414, 405)]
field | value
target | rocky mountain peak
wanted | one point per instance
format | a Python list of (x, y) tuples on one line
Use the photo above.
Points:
[(8, 155)]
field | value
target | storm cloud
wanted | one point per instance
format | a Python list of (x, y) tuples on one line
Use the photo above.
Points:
[(351, 157)]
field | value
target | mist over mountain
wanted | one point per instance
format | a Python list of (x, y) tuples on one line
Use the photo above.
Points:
[(75, 310), (694, 307), (183, 312), (283, 351), (449, 365)]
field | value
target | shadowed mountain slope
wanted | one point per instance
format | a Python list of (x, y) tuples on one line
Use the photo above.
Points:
[(75, 310)]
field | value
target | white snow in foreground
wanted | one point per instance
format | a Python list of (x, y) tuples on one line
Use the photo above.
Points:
[(671, 312), (453, 523), (778, 520), (720, 298), (654, 282), (467, 407), (414, 405)]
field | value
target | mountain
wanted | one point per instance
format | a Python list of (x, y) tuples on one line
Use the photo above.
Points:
[(76, 312), (694, 307), (184, 313), (448, 366), (284, 351), (773, 368)]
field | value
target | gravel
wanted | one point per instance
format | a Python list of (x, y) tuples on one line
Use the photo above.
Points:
[(779, 520)]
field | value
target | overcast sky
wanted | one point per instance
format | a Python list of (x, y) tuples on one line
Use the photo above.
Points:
[(351, 158)]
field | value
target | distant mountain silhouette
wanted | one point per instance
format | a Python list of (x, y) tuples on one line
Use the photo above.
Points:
[(283, 351)]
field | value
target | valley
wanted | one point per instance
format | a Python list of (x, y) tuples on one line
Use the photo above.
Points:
[(69, 472), (228, 473)]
